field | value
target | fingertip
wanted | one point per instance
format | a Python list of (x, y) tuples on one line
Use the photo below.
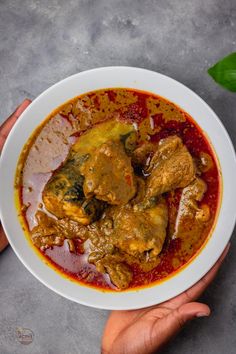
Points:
[(205, 312), (194, 309), (24, 104), (27, 101), (176, 319)]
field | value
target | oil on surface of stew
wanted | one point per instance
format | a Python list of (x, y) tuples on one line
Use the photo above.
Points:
[(118, 189)]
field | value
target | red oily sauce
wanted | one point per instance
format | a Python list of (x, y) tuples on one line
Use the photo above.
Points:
[(154, 118)]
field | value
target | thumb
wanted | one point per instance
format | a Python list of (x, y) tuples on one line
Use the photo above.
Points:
[(22, 107), (172, 323), (8, 124), (177, 319)]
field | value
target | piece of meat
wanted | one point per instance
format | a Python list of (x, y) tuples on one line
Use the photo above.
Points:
[(136, 232), (191, 218), (108, 174), (44, 234), (141, 191), (52, 232), (106, 257), (119, 272), (128, 235), (171, 167), (142, 153), (46, 237), (63, 195)]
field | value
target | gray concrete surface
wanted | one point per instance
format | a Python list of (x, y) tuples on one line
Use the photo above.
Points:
[(42, 42)]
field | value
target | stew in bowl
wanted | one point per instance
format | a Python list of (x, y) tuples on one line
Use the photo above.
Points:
[(118, 188)]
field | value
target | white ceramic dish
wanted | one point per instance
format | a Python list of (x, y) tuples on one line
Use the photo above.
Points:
[(132, 78)]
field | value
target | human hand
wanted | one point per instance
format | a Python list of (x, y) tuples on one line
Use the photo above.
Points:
[(147, 330), (4, 131)]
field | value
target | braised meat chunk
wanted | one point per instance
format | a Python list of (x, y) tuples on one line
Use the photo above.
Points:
[(171, 167), (141, 154), (192, 217), (125, 236), (136, 232), (108, 174), (52, 232), (119, 272), (44, 235)]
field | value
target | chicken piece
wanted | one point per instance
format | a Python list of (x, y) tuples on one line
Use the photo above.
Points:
[(191, 218), (63, 195), (137, 231), (171, 167), (108, 174)]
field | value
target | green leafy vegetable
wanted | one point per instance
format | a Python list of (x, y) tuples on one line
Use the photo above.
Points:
[(224, 72)]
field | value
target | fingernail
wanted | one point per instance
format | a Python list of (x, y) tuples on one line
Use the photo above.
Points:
[(202, 314)]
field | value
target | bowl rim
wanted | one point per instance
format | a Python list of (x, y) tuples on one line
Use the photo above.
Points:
[(141, 79)]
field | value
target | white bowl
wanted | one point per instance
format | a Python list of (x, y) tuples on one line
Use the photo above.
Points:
[(109, 77)]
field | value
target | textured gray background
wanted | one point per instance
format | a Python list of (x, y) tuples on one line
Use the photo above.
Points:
[(42, 42)]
